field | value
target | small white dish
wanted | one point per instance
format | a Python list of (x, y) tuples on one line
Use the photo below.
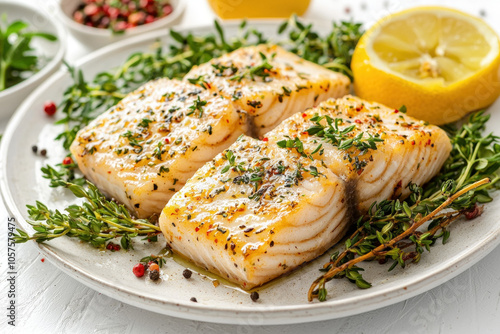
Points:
[(98, 37), (38, 20)]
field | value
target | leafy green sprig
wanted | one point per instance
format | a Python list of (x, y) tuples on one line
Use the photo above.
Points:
[(262, 70), (342, 138), (247, 174), (294, 143), (231, 162), (197, 106), (473, 157), (64, 175), (159, 259), (333, 51), (401, 231), (95, 221), (17, 56)]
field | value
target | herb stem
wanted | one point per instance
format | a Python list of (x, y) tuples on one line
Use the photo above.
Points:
[(129, 229), (416, 224), (452, 216), (96, 93), (470, 163), (3, 72), (7, 62)]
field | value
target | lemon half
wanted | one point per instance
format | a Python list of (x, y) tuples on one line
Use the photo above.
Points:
[(438, 62)]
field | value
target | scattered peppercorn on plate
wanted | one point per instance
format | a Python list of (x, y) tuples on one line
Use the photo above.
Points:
[(333, 145)]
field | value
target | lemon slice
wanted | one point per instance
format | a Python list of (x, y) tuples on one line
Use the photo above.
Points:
[(439, 62)]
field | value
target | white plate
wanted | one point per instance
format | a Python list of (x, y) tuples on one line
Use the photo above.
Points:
[(281, 302)]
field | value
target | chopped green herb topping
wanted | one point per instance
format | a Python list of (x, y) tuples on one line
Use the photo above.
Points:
[(263, 70), (197, 106), (342, 138)]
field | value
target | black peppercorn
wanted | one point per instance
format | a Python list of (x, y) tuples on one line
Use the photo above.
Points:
[(154, 275), (187, 273), (34, 148), (193, 299), (43, 152), (254, 296)]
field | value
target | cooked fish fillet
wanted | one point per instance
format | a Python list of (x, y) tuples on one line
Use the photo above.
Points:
[(258, 219), (226, 222), (269, 83), (411, 149), (143, 150)]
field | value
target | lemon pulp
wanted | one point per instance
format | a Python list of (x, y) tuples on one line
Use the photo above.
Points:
[(433, 47)]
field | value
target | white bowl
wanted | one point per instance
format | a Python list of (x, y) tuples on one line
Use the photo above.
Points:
[(98, 37), (38, 20)]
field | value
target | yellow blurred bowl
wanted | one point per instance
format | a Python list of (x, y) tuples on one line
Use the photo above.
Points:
[(240, 9)]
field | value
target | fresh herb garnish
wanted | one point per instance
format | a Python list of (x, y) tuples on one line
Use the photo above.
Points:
[(295, 143), (197, 106), (200, 81), (96, 221), (144, 123), (63, 176), (158, 151), (465, 174), (133, 141), (254, 103), (263, 70), (159, 259), (17, 56), (400, 231), (342, 138), (333, 51), (251, 175)]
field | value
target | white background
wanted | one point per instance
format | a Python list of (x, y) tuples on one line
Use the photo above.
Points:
[(49, 301)]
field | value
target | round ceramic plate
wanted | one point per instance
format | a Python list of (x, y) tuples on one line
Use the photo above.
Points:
[(281, 301)]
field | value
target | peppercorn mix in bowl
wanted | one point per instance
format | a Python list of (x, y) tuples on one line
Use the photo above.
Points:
[(97, 23)]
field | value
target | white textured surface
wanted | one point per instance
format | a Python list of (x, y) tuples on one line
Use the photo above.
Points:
[(49, 301)]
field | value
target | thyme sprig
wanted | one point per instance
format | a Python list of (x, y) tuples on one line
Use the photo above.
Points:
[(263, 70), (294, 143), (18, 57), (197, 106), (159, 259), (342, 138), (400, 231), (334, 51), (95, 221), (247, 174), (64, 175)]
